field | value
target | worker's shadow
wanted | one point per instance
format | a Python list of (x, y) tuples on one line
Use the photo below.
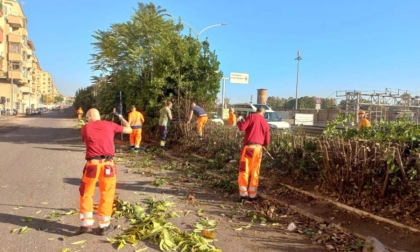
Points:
[(53, 227)]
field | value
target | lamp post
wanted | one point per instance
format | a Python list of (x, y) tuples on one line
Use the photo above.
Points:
[(297, 78), (197, 34), (223, 94), (12, 88)]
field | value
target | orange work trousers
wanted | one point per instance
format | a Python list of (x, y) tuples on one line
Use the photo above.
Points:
[(135, 138), (79, 116), (201, 121), (105, 171), (249, 170)]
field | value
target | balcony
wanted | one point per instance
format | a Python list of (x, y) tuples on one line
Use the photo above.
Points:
[(17, 77), (14, 21), (14, 38), (31, 45), (15, 56), (26, 89)]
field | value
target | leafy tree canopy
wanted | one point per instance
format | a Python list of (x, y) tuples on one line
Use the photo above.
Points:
[(149, 60)]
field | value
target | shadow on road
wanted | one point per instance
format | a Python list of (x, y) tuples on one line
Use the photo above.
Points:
[(42, 225), (39, 135)]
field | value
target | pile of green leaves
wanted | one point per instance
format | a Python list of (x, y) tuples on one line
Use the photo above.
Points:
[(151, 223)]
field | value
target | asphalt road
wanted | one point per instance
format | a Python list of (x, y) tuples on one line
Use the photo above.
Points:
[(41, 164)]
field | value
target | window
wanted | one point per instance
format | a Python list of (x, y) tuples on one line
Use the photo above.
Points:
[(15, 47), (15, 66)]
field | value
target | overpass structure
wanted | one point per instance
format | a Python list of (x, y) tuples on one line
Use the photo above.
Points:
[(382, 105)]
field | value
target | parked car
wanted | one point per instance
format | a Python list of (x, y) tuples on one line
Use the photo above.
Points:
[(215, 118)]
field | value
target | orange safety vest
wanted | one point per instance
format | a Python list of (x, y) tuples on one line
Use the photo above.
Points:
[(135, 119)]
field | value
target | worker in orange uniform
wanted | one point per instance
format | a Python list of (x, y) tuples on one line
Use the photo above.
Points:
[(136, 120), (201, 118), (80, 113), (363, 121), (98, 136), (232, 117), (257, 135)]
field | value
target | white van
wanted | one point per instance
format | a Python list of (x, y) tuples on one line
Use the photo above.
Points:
[(273, 119)]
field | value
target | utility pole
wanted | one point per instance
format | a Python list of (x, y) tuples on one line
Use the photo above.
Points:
[(223, 95), (297, 78), (12, 88)]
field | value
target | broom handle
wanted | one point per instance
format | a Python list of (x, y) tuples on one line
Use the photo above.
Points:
[(268, 153)]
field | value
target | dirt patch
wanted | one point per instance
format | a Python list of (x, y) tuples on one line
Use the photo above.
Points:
[(256, 226)]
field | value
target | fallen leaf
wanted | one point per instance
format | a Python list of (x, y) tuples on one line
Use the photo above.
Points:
[(78, 242), (27, 219), (207, 234)]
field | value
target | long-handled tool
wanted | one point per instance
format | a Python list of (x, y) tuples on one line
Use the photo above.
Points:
[(276, 163)]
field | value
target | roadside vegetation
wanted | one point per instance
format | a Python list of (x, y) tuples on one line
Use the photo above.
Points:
[(147, 61), (376, 169)]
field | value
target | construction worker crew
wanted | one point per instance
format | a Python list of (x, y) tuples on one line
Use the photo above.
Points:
[(98, 136), (136, 120), (363, 121), (80, 113), (164, 118), (201, 118), (257, 135), (232, 117)]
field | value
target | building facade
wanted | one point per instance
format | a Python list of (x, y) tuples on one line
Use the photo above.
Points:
[(23, 83)]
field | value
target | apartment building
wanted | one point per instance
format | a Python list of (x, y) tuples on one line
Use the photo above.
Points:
[(23, 83)]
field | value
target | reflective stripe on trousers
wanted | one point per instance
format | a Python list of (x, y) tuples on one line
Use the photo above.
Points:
[(135, 137), (86, 219), (249, 170), (105, 171)]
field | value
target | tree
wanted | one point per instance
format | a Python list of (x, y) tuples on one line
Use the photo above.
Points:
[(150, 61), (58, 99), (84, 98)]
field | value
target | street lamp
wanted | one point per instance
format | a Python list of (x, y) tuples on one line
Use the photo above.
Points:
[(197, 34), (223, 94), (297, 77)]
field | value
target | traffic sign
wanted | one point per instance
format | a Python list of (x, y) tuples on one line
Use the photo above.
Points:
[(239, 78)]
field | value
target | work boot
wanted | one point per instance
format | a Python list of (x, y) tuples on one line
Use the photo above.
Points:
[(253, 199), (104, 231), (162, 143), (84, 230), (243, 199)]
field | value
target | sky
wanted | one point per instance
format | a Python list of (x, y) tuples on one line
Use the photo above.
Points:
[(345, 45)]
